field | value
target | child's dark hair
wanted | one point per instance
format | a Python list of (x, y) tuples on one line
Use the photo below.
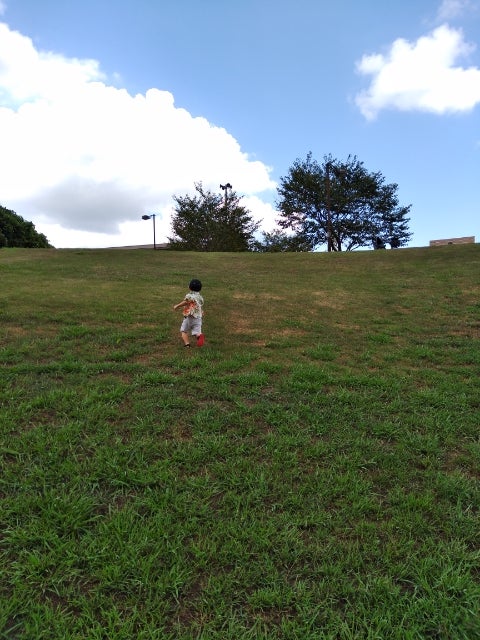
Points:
[(195, 285)]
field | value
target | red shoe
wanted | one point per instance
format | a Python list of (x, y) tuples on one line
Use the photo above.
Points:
[(200, 340)]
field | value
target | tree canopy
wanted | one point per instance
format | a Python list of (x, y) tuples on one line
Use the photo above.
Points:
[(211, 222), (17, 232), (342, 205)]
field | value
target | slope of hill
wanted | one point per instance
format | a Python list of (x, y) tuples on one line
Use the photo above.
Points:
[(311, 472)]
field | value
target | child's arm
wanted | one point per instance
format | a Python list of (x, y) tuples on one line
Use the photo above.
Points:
[(181, 304)]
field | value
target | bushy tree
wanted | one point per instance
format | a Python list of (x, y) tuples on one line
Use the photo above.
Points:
[(340, 204), (210, 222), (17, 232), (277, 241)]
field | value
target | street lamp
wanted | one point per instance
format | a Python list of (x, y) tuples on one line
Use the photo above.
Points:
[(225, 188), (148, 217)]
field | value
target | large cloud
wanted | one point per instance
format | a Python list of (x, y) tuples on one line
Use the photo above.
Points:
[(79, 153), (421, 76)]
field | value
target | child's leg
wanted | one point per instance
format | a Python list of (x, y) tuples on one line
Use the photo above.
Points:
[(197, 332), (185, 332)]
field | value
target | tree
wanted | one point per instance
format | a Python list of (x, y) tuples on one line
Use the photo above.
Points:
[(209, 222), (278, 241), (340, 204), (17, 232)]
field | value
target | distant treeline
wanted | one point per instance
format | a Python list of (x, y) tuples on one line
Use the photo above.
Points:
[(17, 232)]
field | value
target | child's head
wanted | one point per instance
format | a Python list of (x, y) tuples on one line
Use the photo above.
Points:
[(195, 285)]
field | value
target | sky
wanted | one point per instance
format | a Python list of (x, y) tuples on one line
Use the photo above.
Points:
[(110, 108)]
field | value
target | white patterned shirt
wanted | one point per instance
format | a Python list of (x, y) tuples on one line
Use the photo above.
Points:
[(195, 305)]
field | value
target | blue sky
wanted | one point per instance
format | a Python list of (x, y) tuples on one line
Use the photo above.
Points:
[(107, 109)]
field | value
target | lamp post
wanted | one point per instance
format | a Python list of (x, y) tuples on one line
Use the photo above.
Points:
[(225, 188), (147, 217)]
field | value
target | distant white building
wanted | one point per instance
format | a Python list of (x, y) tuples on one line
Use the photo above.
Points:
[(464, 240)]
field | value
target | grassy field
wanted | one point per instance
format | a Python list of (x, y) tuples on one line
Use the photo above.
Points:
[(311, 473)]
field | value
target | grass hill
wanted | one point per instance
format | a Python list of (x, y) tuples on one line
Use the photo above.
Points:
[(311, 473)]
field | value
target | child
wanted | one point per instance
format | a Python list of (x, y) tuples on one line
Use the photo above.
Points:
[(192, 314)]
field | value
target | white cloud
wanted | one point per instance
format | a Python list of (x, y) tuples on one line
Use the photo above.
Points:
[(421, 76), (262, 212), (80, 154), (451, 9)]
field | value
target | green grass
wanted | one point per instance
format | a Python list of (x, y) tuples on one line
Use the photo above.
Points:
[(311, 473)]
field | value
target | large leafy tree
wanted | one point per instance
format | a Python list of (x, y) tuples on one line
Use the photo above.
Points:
[(211, 222), (17, 232), (341, 205)]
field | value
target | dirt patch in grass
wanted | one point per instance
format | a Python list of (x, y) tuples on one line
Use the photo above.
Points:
[(460, 462), (255, 296)]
